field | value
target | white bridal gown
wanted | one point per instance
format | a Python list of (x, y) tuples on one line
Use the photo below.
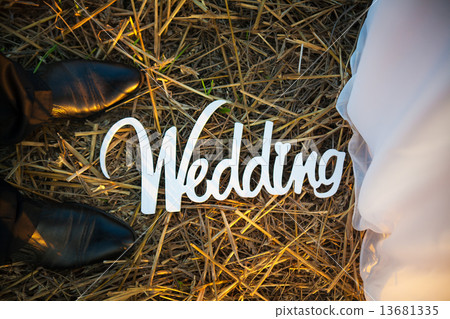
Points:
[(398, 105)]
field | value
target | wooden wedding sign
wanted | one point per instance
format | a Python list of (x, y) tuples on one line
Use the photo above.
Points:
[(187, 177)]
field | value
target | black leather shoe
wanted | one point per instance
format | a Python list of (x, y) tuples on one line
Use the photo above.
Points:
[(81, 88), (67, 235)]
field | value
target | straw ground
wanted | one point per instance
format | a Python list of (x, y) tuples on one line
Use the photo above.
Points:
[(283, 61)]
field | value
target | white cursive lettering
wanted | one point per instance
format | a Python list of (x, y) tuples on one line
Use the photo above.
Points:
[(188, 177)]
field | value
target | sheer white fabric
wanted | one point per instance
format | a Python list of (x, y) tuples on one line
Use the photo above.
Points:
[(398, 104)]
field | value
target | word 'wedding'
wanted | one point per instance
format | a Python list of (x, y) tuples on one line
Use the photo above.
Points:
[(188, 177)]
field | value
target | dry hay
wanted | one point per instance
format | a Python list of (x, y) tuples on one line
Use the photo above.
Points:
[(292, 247)]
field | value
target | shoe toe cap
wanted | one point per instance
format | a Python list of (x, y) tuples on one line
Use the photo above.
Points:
[(74, 235), (81, 88), (110, 238)]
